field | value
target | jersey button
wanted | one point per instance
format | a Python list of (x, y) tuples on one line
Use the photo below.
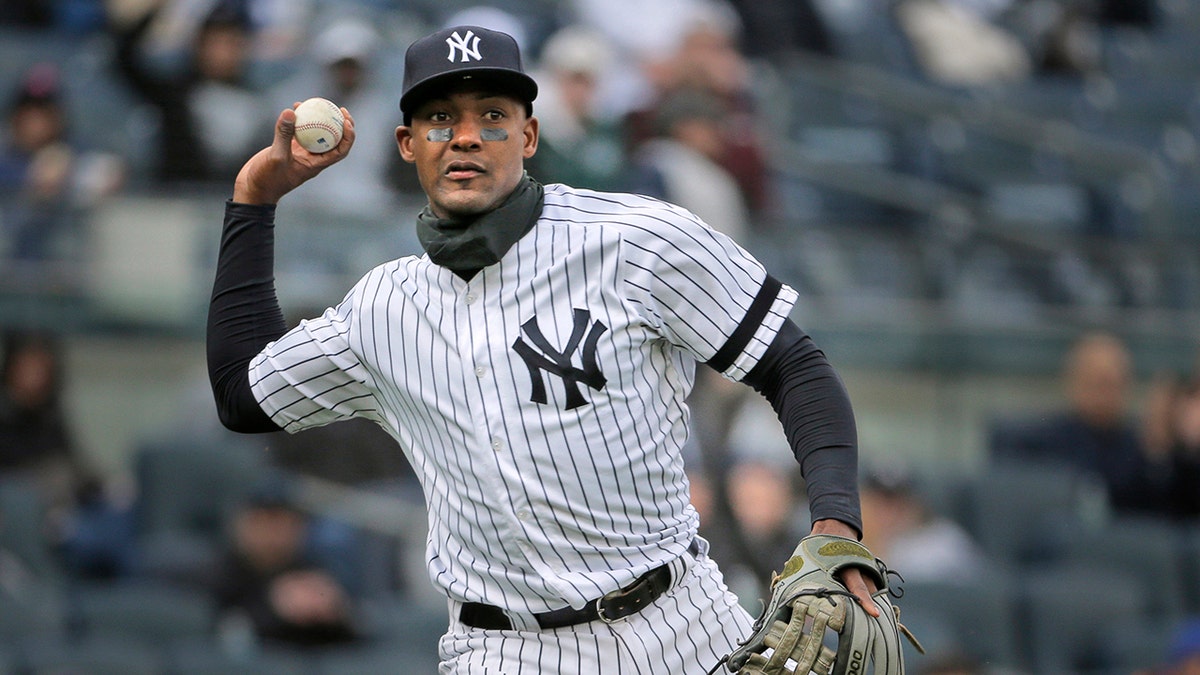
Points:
[(480, 371), (497, 444), (523, 514), (469, 299)]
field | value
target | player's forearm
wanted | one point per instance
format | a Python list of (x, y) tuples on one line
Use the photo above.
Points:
[(814, 408), (243, 315)]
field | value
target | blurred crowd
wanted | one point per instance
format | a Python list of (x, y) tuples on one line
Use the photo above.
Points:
[(176, 93), (669, 104)]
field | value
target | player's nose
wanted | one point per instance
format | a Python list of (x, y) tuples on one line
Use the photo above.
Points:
[(466, 135)]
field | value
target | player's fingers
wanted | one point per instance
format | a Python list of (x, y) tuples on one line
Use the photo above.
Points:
[(862, 588), (285, 130), (348, 134)]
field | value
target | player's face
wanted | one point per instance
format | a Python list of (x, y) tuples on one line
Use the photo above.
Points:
[(469, 147)]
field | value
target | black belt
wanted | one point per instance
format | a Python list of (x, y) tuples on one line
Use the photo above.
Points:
[(612, 607)]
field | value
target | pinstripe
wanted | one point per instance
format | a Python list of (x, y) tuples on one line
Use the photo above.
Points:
[(537, 505)]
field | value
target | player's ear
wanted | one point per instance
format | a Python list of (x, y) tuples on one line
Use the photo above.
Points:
[(531, 136), (404, 140)]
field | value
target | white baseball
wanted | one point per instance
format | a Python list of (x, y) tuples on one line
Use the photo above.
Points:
[(319, 125)]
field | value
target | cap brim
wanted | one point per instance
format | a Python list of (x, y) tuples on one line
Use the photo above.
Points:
[(505, 81)]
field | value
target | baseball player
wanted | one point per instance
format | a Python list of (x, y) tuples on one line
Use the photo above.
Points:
[(533, 364)]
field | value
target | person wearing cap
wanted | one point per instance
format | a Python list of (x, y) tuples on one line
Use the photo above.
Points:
[(48, 180), (577, 144), (267, 581), (210, 112), (346, 60), (534, 364)]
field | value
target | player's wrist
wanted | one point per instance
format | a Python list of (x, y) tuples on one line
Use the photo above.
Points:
[(835, 527), (245, 193)]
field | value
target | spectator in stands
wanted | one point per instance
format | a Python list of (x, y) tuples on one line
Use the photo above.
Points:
[(1140, 13), (210, 117), (1184, 450), (70, 16), (1094, 433), (705, 60), (682, 45), (1068, 44), (91, 532), (35, 438), (900, 527), (751, 521), (578, 145), (47, 181), (346, 52), (960, 43), (681, 164), (709, 59), (777, 28), (32, 14), (267, 579), (646, 49)]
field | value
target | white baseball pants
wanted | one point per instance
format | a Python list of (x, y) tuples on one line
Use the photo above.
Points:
[(687, 630)]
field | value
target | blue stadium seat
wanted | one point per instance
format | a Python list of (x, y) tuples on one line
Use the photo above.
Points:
[(156, 612)]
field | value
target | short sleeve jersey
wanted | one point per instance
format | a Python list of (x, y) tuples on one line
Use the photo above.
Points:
[(541, 403)]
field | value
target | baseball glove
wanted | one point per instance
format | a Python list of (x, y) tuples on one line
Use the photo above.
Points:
[(807, 602)]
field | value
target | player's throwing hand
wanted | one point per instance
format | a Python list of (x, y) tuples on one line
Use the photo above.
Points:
[(281, 167)]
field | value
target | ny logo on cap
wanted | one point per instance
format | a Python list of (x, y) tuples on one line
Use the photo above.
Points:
[(458, 43)]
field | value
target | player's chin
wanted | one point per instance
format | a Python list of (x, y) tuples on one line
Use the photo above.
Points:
[(466, 202)]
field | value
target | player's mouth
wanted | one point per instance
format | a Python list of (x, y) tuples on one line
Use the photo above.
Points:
[(463, 170)]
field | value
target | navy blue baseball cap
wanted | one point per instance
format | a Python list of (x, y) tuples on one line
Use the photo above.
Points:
[(460, 53)]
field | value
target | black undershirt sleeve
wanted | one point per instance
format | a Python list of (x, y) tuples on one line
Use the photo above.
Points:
[(243, 314), (814, 407)]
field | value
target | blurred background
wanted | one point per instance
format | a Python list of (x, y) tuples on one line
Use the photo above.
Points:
[(989, 209)]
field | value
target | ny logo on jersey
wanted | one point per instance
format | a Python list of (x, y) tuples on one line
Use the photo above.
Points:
[(556, 362), (458, 44)]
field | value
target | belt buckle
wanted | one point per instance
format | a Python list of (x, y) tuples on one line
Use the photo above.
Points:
[(603, 617)]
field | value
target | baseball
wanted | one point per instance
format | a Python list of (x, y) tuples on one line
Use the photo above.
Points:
[(319, 125)]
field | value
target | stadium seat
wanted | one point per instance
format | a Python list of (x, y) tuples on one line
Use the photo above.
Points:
[(38, 610), (207, 656), (22, 528), (93, 656), (399, 619), (1020, 510), (1145, 548), (1136, 644), (1041, 205), (190, 486), (398, 658), (150, 611), (980, 616), (1069, 610), (1191, 569), (933, 632)]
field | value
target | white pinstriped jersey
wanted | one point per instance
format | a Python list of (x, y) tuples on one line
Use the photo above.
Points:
[(542, 402)]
